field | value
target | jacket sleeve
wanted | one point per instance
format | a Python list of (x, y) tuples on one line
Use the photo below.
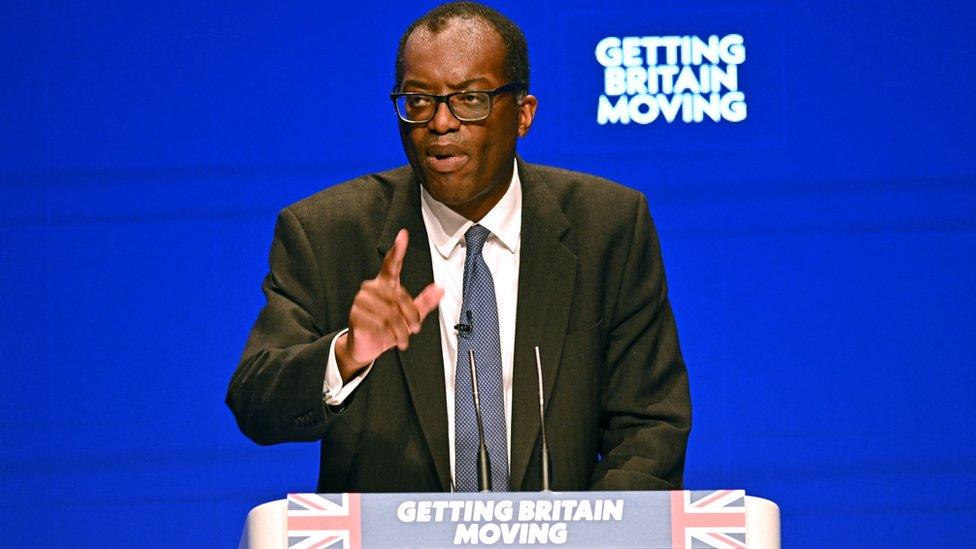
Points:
[(276, 393), (645, 403)]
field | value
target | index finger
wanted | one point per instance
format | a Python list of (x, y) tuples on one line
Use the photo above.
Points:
[(393, 262)]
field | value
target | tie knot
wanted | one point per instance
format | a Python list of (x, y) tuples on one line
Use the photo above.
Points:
[(475, 238)]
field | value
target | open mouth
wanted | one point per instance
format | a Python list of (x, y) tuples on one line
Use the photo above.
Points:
[(444, 162)]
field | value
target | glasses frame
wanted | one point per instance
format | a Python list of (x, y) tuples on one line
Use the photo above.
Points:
[(446, 99)]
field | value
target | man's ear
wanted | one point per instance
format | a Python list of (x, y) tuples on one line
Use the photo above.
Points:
[(526, 114)]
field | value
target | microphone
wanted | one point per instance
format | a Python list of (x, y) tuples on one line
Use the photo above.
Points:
[(462, 328), (484, 462), (542, 423)]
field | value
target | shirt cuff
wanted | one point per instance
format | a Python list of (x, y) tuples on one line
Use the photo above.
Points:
[(334, 392)]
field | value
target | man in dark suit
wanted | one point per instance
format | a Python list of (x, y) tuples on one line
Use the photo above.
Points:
[(359, 340)]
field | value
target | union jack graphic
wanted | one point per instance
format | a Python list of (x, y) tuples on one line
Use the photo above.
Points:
[(708, 519), (317, 521)]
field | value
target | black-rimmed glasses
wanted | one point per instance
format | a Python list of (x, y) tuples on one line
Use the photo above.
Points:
[(466, 106)]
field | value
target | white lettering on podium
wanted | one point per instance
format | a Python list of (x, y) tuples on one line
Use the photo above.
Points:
[(489, 522), (511, 533)]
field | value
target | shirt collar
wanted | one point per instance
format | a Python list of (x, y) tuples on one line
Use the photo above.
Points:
[(446, 228)]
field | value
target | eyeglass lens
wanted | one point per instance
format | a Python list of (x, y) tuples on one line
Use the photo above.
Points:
[(465, 106)]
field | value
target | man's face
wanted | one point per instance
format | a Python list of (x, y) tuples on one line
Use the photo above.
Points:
[(465, 165)]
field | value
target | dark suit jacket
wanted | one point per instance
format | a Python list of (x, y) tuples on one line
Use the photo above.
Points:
[(591, 295)]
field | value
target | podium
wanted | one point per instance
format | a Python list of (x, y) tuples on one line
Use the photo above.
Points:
[(715, 518)]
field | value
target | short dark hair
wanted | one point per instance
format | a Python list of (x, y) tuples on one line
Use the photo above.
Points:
[(516, 49)]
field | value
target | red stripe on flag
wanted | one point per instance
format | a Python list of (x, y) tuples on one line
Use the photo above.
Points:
[(710, 520), (706, 500), (355, 534), (325, 543), (677, 510), (307, 502)]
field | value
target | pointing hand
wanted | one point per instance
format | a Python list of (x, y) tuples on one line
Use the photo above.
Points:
[(383, 313)]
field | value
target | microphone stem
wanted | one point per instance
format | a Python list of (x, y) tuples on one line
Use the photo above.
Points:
[(542, 425), (484, 461)]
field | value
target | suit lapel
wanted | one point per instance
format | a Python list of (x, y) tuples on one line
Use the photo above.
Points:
[(547, 276), (422, 362)]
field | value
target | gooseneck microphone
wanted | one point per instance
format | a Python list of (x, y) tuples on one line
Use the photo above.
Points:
[(484, 462), (542, 424)]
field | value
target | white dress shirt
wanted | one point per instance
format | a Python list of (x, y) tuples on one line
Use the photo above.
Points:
[(445, 233)]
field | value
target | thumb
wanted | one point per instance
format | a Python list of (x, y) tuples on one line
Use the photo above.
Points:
[(428, 299)]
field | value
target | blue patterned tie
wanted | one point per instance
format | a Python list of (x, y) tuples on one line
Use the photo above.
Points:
[(479, 310)]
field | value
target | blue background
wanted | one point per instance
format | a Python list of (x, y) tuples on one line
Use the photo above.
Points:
[(819, 253)]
